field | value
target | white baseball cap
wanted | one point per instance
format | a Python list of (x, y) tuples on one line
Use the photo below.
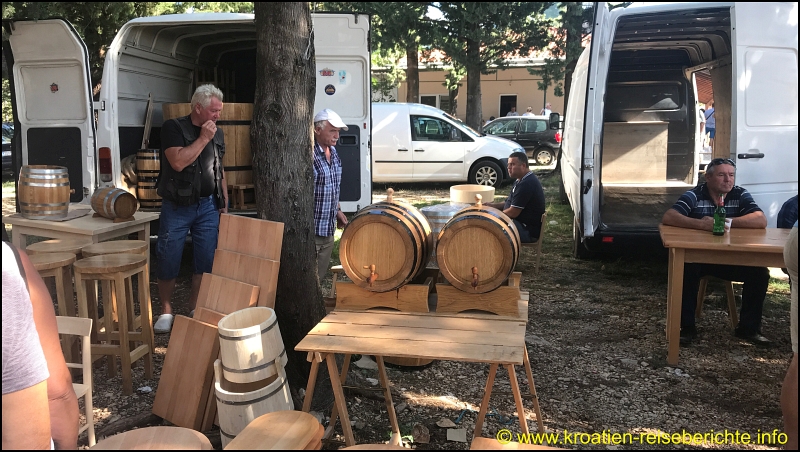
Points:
[(330, 116)]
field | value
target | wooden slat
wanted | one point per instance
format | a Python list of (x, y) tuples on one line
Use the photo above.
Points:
[(769, 240), (502, 354), (187, 373), (409, 298), (225, 295), (251, 270), (206, 315), (434, 336), (501, 301), (476, 325), (259, 238)]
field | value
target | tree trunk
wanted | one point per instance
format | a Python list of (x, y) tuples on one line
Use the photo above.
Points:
[(474, 107), (452, 95), (282, 143), (412, 73)]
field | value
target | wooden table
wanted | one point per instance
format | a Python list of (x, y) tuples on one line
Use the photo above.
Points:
[(474, 338), (751, 247)]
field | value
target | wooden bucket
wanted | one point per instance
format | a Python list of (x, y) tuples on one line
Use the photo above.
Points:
[(235, 124), (240, 404), (43, 192), (114, 203), (482, 238), (148, 167), (391, 237), (466, 193), (250, 345)]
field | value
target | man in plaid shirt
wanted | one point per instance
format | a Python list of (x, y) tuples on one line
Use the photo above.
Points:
[(327, 180)]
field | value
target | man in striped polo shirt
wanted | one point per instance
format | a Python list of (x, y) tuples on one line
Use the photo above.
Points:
[(695, 210)]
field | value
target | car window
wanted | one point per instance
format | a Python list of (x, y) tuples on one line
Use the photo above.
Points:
[(499, 127), (8, 132), (534, 125), (426, 128)]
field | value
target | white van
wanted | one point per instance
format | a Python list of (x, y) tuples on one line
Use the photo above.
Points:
[(419, 143), (58, 123), (632, 143)]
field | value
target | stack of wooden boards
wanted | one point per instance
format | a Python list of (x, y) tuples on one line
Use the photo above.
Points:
[(244, 274)]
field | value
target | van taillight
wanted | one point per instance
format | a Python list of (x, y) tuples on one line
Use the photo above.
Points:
[(105, 164), (558, 137)]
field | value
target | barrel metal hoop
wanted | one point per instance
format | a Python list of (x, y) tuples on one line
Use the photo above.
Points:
[(256, 368), (241, 338), (44, 204), (250, 402), (224, 433), (105, 198), (113, 205), (41, 184)]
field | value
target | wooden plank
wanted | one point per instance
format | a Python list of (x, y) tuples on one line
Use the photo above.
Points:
[(408, 298), (251, 270), (437, 336), (501, 354), (627, 144), (259, 238), (148, 121), (187, 373), (476, 325), (206, 315), (225, 295), (501, 301)]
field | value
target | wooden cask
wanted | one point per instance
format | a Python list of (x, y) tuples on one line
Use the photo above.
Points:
[(148, 167), (43, 192), (251, 347), (235, 124), (114, 203), (480, 238), (392, 237)]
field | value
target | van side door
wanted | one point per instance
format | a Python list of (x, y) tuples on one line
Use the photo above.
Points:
[(439, 149), (52, 98), (765, 105)]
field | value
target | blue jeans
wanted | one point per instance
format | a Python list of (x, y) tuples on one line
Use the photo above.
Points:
[(524, 235), (202, 219)]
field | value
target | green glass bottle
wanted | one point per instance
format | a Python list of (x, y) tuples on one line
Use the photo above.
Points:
[(719, 217)]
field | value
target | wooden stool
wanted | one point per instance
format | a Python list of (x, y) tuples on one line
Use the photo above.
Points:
[(156, 438), (733, 317), (118, 270), (237, 195), (116, 247), (292, 430), (59, 267), (73, 246)]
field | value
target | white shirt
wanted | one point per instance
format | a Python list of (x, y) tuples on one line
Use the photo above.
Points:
[(546, 111), (512, 113), (527, 114)]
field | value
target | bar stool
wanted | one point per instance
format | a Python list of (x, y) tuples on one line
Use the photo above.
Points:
[(59, 267), (156, 438), (73, 246), (118, 270), (280, 430)]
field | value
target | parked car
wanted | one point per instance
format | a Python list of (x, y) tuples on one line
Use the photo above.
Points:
[(541, 143), (8, 133)]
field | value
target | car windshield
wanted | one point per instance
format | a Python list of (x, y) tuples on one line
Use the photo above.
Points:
[(8, 132), (466, 128)]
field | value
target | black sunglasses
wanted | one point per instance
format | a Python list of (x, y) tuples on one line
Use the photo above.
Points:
[(720, 161)]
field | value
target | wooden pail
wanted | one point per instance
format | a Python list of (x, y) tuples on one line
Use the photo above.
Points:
[(466, 193), (482, 238), (114, 203), (240, 404), (250, 345), (235, 124), (43, 192), (148, 167), (392, 236)]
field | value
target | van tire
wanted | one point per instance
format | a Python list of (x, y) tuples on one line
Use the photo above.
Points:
[(579, 251), (487, 173)]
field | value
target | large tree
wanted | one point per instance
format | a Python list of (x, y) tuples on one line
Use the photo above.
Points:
[(481, 37), (281, 137)]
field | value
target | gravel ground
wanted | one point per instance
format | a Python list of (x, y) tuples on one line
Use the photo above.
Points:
[(595, 337)]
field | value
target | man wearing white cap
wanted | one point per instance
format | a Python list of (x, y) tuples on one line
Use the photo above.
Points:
[(327, 180)]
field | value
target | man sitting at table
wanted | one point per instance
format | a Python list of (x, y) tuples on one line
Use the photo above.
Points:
[(695, 209)]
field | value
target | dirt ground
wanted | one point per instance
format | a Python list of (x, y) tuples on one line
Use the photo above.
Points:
[(596, 341)]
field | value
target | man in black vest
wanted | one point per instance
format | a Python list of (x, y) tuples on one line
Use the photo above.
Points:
[(192, 185)]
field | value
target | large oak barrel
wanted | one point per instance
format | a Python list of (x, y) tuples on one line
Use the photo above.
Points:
[(394, 237), (114, 203), (235, 124), (43, 192), (482, 238), (148, 167)]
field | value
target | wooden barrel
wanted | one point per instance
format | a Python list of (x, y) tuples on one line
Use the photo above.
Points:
[(250, 345), (148, 167), (438, 215), (240, 404), (478, 237), (466, 193), (235, 124), (394, 237), (114, 203), (43, 192)]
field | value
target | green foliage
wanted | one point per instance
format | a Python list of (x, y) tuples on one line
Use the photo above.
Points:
[(6, 101), (386, 74)]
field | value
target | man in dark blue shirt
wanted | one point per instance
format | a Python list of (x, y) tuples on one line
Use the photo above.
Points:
[(525, 205), (695, 210)]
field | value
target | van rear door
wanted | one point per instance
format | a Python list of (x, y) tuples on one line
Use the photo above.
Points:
[(52, 98), (599, 58), (765, 112)]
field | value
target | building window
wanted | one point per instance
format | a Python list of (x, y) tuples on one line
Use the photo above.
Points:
[(444, 102), (428, 100)]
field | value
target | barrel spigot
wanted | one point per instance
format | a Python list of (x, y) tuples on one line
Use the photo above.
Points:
[(475, 274), (478, 200), (372, 275), (390, 195)]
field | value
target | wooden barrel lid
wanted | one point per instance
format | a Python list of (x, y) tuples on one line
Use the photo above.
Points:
[(115, 247), (156, 438), (73, 246), (49, 261), (280, 430), (109, 263)]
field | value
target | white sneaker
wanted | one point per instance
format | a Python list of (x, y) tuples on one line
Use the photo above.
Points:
[(163, 324), (191, 314)]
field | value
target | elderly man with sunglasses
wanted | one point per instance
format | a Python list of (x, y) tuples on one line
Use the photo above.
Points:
[(695, 209)]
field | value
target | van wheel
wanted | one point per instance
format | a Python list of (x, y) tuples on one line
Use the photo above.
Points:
[(486, 173), (543, 156)]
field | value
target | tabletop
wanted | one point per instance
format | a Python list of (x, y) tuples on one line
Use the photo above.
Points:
[(737, 239), (86, 225), (419, 335)]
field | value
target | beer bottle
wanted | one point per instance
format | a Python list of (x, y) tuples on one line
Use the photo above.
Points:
[(719, 217)]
